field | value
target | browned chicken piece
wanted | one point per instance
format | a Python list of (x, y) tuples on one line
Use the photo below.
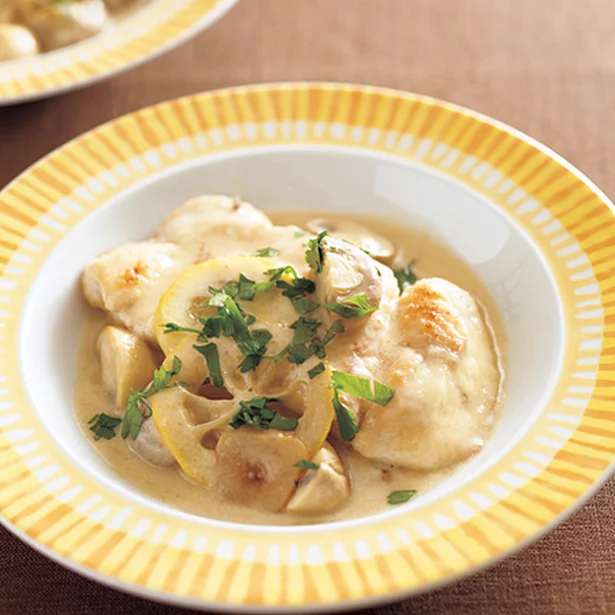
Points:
[(446, 382), (214, 225), (129, 281), (431, 314)]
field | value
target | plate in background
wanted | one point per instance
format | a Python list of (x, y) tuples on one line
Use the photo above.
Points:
[(151, 31)]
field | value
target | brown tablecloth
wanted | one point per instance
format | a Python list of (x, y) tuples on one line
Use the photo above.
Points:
[(545, 66)]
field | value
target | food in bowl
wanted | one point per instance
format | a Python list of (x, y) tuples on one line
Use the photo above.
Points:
[(285, 369), (29, 27)]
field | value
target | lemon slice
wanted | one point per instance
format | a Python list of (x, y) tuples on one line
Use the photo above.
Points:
[(257, 468), (186, 299), (190, 425), (194, 370)]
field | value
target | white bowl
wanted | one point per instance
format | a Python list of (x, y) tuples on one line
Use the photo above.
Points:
[(505, 205)]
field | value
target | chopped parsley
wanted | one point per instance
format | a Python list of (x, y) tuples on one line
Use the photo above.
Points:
[(308, 465), (315, 253), (235, 324), (306, 343), (244, 289), (352, 307), (305, 329), (405, 276), (172, 327), (212, 358), (137, 408), (278, 272), (104, 426), (316, 370), (296, 290), (319, 344), (364, 388), (356, 386), (267, 252), (255, 412), (400, 497), (346, 420)]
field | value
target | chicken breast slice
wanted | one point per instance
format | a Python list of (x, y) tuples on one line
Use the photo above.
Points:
[(128, 282), (215, 225), (446, 379)]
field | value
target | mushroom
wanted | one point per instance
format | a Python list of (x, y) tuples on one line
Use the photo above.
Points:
[(16, 42), (323, 490), (371, 241), (150, 446), (348, 272), (58, 24), (126, 362)]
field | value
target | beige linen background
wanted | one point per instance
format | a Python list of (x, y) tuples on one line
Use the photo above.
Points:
[(546, 67)]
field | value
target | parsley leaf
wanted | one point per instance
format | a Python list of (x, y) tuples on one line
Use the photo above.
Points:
[(212, 357), (171, 327), (308, 465), (297, 292), (405, 276), (400, 497), (316, 370), (247, 288), (318, 346), (352, 307), (255, 412), (103, 426), (267, 252), (345, 418), (304, 306), (372, 390), (305, 329), (278, 272), (315, 254), (137, 408)]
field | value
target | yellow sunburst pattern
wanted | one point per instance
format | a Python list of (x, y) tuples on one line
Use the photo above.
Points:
[(563, 454)]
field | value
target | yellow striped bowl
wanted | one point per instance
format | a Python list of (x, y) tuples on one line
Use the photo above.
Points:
[(150, 32), (559, 457)]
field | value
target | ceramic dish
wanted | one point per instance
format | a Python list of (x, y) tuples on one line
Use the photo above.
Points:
[(536, 231), (151, 31)]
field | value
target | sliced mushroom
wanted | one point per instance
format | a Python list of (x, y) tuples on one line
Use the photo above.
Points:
[(58, 24), (16, 42), (366, 239), (348, 272), (214, 225), (323, 490), (150, 446), (126, 362)]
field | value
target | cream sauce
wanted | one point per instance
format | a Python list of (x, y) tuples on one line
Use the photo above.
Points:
[(370, 482)]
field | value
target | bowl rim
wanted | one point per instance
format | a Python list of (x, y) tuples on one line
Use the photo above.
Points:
[(80, 65), (304, 97)]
